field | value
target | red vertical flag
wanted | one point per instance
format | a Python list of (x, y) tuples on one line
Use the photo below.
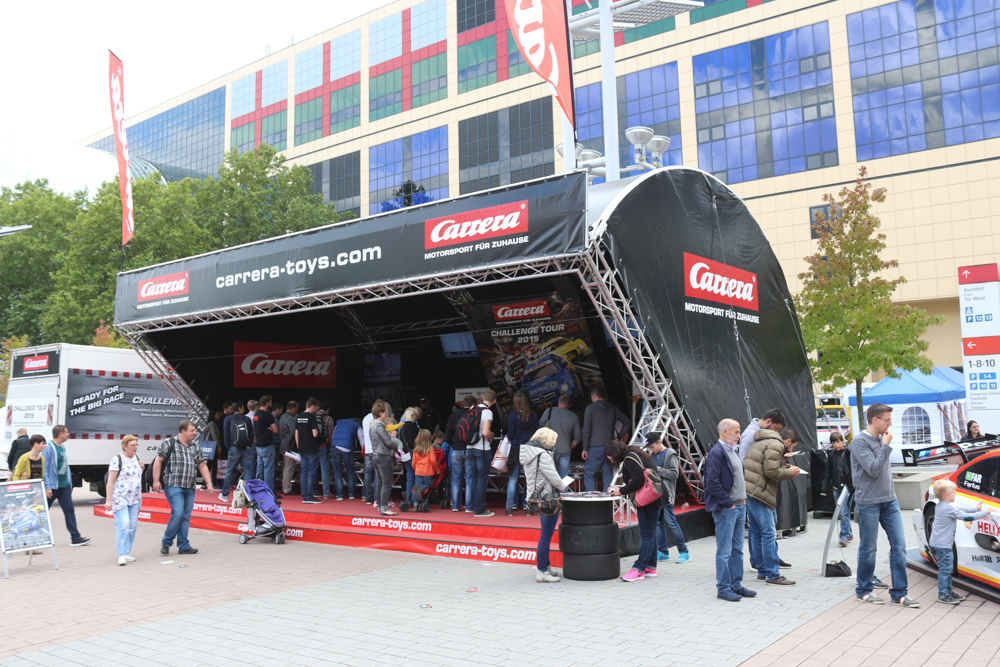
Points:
[(541, 30), (117, 87)]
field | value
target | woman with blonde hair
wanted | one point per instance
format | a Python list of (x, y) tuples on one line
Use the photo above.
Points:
[(124, 489), (541, 480)]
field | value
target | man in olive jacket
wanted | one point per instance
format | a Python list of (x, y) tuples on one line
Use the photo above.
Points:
[(763, 467)]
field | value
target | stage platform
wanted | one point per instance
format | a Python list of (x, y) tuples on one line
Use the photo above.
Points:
[(352, 523)]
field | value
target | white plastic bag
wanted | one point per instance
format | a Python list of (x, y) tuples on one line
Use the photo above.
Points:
[(500, 458)]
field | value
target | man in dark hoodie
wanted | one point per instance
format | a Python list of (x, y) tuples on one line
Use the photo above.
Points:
[(602, 423), (18, 448), (763, 468)]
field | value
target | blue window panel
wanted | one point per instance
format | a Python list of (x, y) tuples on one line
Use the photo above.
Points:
[(974, 132), (992, 130), (244, 95), (952, 110), (274, 83), (892, 61), (813, 137), (864, 152), (428, 23), (872, 24), (855, 31), (780, 167), (880, 124), (972, 111), (699, 67), (917, 143), (944, 11), (385, 39), (915, 118), (988, 75), (309, 69), (991, 102), (828, 134), (345, 55), (889, 20), (897, 121), (894, 95), (796, 141)]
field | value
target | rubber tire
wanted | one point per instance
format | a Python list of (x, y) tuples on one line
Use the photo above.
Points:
[(446, 504), (243, 538), (404, 506), (596, 567), (279, 538), (588, 540), (587, 513), (424, 506)]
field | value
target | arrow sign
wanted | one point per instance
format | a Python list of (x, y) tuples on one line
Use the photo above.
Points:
[(981, 346), (966, 273), (982, 273), (970, 345)]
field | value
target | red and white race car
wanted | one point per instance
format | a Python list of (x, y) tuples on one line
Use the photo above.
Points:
[(977, 543)]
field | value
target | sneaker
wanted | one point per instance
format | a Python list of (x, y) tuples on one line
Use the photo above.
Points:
[(417, 496), (871, 598), (368, 502), (122, 561), (340, 497), (508, 511), (455, 509), (164, 550), (223, 497), (485, 514), (905, 601), (546, 577), (649, 572), (780, 581), (312, 501), (553, 572), (729, 596), (878, 583), (130, 559), (350, 497), (190, 551), (633, 575), (745, 592), (683, 558), (960, 598), (79, 541), (389, 513), (949, 599), (843, 543), (761, 577), (783, 565), (662, 556), (327, 496), (468, 511)]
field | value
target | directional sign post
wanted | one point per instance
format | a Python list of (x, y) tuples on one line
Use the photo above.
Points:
[(979, 300)]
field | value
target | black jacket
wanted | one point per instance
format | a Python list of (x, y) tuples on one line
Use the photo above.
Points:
[(839, 464), (18, 448)]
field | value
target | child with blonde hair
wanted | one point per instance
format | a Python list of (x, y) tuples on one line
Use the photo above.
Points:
[(942, 539), (425, 465)]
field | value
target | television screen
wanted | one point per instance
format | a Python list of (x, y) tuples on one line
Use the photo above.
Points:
[(459, 345), (382, 367)]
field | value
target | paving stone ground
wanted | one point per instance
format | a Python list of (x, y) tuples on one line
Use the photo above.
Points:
[(301, 604)]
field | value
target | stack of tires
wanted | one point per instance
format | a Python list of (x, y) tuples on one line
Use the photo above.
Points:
[(588, 540)]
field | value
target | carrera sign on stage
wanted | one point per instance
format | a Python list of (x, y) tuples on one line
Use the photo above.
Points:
[(540, 219)]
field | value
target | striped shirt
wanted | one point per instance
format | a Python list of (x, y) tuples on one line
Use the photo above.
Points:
[(182, 467)]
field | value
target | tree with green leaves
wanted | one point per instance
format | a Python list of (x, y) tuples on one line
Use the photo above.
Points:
[(845, 307)]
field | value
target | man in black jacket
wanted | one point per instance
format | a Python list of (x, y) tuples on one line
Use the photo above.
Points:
[(602, 423), (18, 448), (839, 464)]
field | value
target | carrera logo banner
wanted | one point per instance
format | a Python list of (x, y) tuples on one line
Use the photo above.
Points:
[(478, 225), (163, 287), (36, 363), (521, 311), (274, 365), (714, 281)]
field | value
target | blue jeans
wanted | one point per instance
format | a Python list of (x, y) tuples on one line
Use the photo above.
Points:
[(869, 518), (513, 490), (845, 516), (562, 464), (596, 460), (422, 482), (461, 469), (729, 548), (324, 469), (181, 503), (307, 478), (236, 455), (265, 466), (126, 521), (945, 558), (545, 540), (647, 534), (64, 494), (479, 463), (368, 484), (668, 520), (763, 548), (339, 459), (410, 477)]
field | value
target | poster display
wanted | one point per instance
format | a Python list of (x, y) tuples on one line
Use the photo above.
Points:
[(32, 365), (24, 516), (35, 414), (979, 301), (113, 403)]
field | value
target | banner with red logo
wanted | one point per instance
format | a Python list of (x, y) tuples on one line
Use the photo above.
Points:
[(116, 85), (541, 31), (542, 219), (39, 363), (267, 365)]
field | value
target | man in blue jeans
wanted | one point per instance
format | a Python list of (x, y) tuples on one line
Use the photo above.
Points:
[(725, 499), (240, 453), (666, 463), (479, 455), (764, 468), (602, 423), (875, 498), (264, 429), (180, 460), (307, 439), (59, 482), (460, 465)]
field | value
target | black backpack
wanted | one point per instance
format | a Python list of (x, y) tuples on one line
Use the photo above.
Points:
[(147, 474), (467, 427), (239, 433)]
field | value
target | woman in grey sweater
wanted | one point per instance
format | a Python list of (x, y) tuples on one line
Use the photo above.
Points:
[(384, 447), (541, 478)]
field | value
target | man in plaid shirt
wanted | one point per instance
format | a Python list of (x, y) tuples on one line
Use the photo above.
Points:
[(326, 424), (184, 462)]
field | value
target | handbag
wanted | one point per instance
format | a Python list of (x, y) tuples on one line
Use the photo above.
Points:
[(839, 569), (652, 488), (547, 504), (500, 458)]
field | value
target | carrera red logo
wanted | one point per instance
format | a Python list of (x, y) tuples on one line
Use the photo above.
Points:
[(18, 487), (273, 365), (36, 363), (483, 223), (521, 311), (163, 287), (713, 281)]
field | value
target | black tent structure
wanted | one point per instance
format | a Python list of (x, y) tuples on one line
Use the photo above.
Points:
[(693, 303)]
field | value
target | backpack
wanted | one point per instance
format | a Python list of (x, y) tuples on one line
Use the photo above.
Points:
[(147, 474), (239, 433), (467, 427), (107, 472)]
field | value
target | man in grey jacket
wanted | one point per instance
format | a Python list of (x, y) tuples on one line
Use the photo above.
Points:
[(566, 424), (667, 464), (876, 502), (602, 423)]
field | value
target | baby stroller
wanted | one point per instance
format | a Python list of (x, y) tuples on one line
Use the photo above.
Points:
[(264, 516), (438, 491)]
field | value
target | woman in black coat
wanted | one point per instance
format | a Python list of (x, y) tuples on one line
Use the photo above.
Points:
[(634, 461)]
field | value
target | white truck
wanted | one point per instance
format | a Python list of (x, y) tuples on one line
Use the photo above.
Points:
[(99, 393)]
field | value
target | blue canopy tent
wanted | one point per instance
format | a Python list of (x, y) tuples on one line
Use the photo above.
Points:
[(950, 374)]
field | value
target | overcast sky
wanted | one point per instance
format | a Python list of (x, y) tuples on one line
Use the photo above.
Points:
[(55, 54)]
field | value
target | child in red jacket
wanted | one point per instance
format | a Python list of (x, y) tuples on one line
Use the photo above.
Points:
[(424, 466)]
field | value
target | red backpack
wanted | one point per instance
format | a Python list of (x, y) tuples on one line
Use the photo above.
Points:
[(467, 428)]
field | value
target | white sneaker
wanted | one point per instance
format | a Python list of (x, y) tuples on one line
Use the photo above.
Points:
[(121, 560), (546, 577), (130, 559), (223, 497)]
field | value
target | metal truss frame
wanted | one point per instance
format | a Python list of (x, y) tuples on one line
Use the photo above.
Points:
[(446, 323)]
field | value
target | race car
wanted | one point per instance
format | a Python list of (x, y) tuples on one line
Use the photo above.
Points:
[(977, 543), (569, 349)]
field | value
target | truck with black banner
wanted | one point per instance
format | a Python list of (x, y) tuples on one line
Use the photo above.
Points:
[(99, 393)]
